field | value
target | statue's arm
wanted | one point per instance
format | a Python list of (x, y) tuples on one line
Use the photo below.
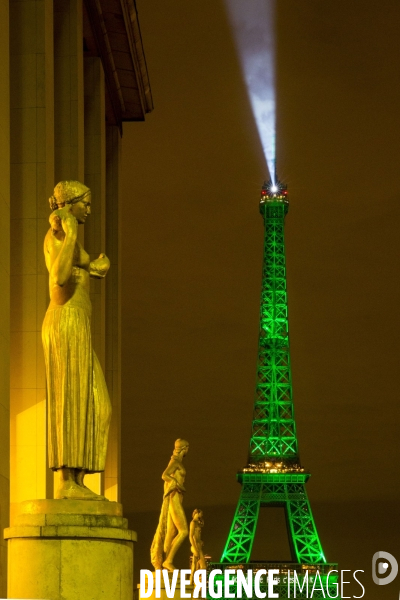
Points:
[(192, 539), (195, 538), (168, 475), (60, 258)]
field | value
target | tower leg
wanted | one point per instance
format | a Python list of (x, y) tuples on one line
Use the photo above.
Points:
[(308, 567), (302, 529), (285, 490), (243, 529)]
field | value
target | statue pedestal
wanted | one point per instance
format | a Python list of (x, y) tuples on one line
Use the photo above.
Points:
[(70, 550)]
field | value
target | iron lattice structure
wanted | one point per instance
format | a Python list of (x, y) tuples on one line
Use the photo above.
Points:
[(274, 489), (274, 429), (274, 476)]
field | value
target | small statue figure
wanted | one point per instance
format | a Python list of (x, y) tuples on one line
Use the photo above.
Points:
[(79, 408), (172, 527), (198, 559)]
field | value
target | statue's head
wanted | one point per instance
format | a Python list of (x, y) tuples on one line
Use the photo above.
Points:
[(72, 193), (181, 447), (197, 514)]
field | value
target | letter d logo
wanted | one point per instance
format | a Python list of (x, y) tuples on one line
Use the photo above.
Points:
[(382, 567)]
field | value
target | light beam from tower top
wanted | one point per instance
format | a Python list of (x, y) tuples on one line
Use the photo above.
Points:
[(253, 28)]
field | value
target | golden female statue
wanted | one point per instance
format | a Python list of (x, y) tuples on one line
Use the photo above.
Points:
[(172, 527), (79, 408), (196, 543)]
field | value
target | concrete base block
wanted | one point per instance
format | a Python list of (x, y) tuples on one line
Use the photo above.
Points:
[(70, 550)]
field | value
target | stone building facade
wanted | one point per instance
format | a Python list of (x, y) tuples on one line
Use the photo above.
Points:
[(72, 71)]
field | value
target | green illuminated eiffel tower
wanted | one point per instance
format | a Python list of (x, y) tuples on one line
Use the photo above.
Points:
[(274, 476)]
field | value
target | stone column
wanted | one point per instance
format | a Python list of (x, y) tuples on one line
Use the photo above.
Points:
[(68, 97), (113, 313), (68, 90), (32, 174), (5, 291), (95, 176)]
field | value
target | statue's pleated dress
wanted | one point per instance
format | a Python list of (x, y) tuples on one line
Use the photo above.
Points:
[(79, 407)]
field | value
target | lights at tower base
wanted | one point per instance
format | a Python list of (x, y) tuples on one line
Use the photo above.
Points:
[(274, 191)]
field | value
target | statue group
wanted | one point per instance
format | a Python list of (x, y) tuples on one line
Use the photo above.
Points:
[(79, 407), (172, 526)]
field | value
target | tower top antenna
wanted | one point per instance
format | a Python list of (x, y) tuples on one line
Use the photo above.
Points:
[(274, 191)]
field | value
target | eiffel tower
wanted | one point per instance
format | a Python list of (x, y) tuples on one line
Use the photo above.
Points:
[(274, 475)]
